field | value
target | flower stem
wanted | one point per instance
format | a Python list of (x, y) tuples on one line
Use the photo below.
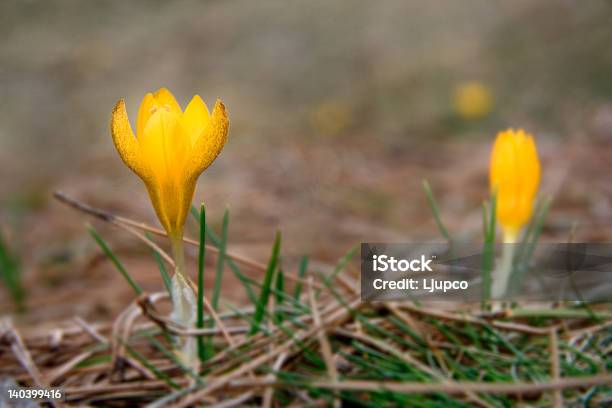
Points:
[(504, 270), (178, 253), (184, 303)]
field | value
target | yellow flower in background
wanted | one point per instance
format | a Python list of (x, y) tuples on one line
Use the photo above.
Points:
[(331, 117), (170, 150), (515, 175), (473, 100)]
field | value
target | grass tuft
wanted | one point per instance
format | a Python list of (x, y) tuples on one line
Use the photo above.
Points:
[(216, 241), (527, 246), (385, 354)]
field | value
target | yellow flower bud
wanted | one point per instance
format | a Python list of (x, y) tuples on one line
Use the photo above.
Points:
[(170, 150), (514, 175)]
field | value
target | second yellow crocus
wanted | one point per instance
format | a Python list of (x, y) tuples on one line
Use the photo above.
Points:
[(514, 178)]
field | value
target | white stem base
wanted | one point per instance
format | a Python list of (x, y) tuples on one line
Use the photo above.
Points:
[(184, 313), (501, 277)]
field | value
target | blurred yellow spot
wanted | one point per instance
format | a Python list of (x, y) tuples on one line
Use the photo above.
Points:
[(472, 100), (331, 117), (515, 175)]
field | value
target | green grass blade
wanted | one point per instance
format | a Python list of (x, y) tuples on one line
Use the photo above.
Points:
[(109, 253), (249, 320), (162, 269), (485, 220), (220, 261), (245, 280), (522, 247), (342, 263), (262, 302), (10, 272), (492, 218), (201, 262), (94, 361), (280, 287), (488, 252), (280, 294), (301, 274), (539, 221), (327, 280), (529, 243), (195, 214), (435, 210)]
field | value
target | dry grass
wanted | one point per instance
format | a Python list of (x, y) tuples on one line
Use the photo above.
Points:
[(94, 364), (318, 348)]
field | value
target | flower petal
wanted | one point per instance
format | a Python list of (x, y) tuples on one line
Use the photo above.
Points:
[(165, 147), (147, 107), (166, 100), (195, 117), (515, 173), (125, 142), (210, 142)]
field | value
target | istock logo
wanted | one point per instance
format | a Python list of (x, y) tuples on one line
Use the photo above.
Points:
[(383, 263)]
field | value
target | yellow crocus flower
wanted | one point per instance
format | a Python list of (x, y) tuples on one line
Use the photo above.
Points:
[(515, 175), (170, 150)]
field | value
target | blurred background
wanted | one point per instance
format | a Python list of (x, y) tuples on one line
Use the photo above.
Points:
[(338, 111)]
